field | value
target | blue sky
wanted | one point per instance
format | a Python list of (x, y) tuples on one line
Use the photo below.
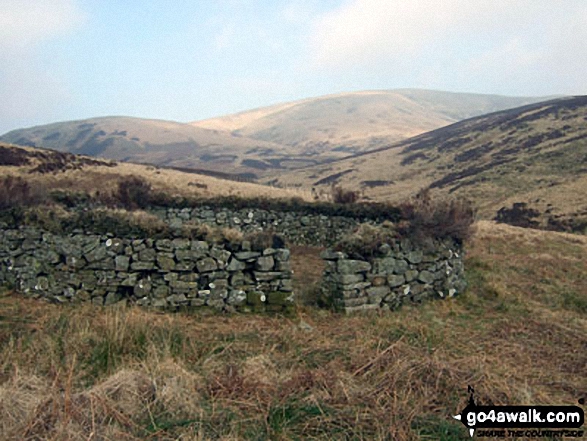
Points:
[(188, 60)]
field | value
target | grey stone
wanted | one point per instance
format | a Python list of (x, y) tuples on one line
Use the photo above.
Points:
[(75, 263), (265, 276), (142, 288), (237, 279), (332, 255), (164, 245), (206, 265), (401, 266), (247, 255), (426, 277), (377, 279), (199, 245), (185, 266), (180, 244), (264, 263), (165, 262), (235, 265), (286, 285), (161, 291), (377, 291), (112, 298), (159, 303), (352, 266), (411, 275), (346, 279), (177, 299), (415, 256), (147, 255), (179, 286), (121, 263), (128, 279), (197, 302), (215, 303), (220, 255), (142, 266), (98, 253), (384, 266), (395, 280), (282, 254), (237, 297)]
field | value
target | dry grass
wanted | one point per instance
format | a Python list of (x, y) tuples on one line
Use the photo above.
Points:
[(518, 336), (92, 178)]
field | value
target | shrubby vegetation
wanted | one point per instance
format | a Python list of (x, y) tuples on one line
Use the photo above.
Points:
[(367, 240), (421, 217), (17, 192), (440, 218)]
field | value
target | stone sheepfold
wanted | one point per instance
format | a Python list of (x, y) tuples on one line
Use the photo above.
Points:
[(181, 273)]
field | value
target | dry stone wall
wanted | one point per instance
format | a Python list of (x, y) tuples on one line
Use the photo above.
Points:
[(297, 227), (176, 272), (165, 273), (401, 272)]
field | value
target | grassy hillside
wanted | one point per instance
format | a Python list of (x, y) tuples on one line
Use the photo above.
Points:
[(354, 122), (51, 170), (122, 373), (278, 138), (536, 154)]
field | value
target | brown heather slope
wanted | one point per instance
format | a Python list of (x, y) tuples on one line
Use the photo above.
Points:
[(535, 154), (278, 138), (518, 336), (52, 170)]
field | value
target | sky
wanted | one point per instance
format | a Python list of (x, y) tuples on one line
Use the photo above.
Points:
[(188, 60)]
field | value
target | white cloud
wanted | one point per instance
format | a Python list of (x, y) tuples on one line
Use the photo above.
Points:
[(26, 22), (480, 37)]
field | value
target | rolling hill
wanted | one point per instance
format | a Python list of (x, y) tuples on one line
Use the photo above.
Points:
[(535, 154), (354, 122), (276, 138), (147, 141)]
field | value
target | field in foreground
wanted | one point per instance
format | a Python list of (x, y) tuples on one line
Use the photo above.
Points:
[(518, 336)]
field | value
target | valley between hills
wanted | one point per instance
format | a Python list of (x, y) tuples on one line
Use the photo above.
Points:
[(386, 145)]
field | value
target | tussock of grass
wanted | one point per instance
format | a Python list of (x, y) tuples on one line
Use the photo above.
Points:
[(120, 373)]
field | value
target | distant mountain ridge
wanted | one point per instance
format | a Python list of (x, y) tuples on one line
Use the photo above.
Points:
[(275, 138), (359, 121)]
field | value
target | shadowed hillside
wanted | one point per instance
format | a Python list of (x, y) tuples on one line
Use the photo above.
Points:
[(536, 154)]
